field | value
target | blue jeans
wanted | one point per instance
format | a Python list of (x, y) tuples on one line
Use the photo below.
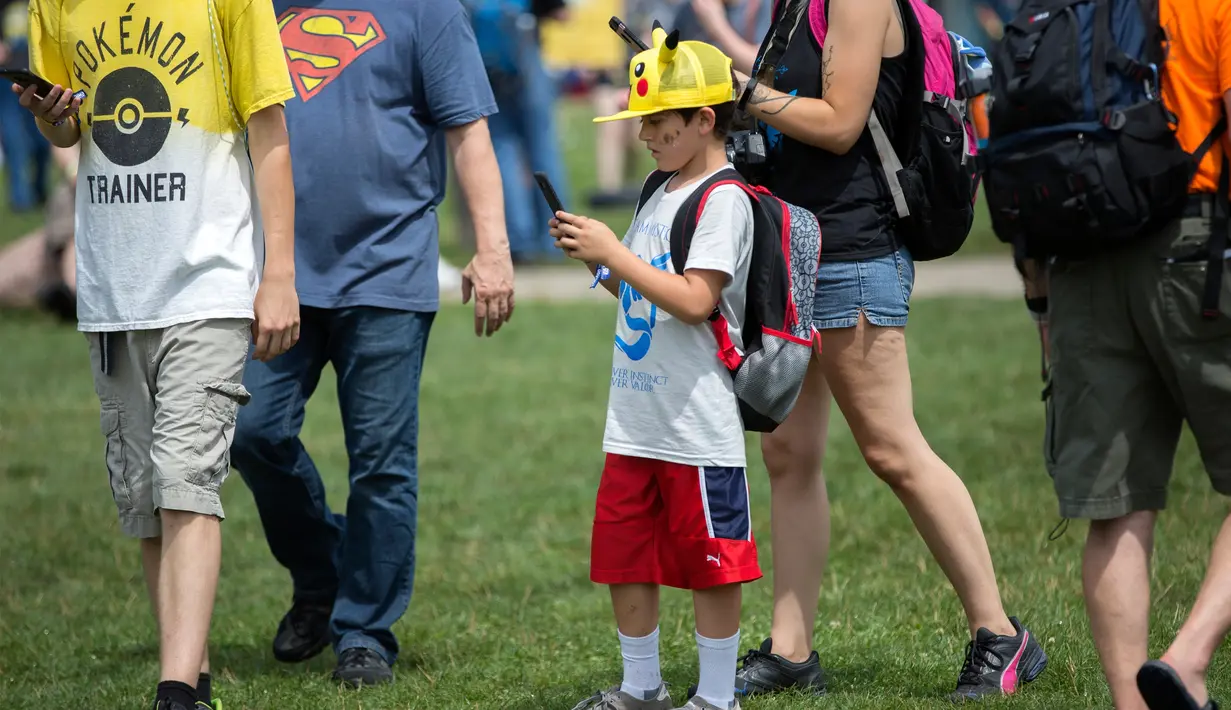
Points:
[(27, 154), (525, 139), (363, 562)]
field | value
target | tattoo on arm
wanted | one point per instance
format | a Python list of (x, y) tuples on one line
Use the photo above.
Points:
[(826, 70), (770, 103)]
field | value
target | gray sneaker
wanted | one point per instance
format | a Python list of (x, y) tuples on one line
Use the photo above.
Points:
[(696, 703), (616, 699)]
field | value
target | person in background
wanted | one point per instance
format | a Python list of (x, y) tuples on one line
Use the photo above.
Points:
[(39, 269), (523, 130), (1132, 358), (369, 181), (27, 153), (185, 260), (725, 22)]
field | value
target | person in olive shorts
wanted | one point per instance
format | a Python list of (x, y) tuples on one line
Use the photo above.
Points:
[(1132, 357)]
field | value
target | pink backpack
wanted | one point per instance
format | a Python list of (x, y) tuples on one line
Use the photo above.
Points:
[(938, 65)]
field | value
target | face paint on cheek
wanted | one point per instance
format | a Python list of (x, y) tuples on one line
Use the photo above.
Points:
[(672, 138)]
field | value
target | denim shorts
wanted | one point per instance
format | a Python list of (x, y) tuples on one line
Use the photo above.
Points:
[(879, 288)]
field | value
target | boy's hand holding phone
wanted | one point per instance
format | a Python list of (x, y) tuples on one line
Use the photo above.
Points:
[(584, 239)]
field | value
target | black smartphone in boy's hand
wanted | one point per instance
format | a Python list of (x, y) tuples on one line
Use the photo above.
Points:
[(26, 78), (549, 193)]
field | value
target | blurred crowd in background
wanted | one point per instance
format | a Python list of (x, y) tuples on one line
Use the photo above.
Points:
[(538, 53)]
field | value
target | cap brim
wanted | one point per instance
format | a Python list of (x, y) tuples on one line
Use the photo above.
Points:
[(624, 115)]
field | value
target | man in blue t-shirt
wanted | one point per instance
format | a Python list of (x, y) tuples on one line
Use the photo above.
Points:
[(385, 92)]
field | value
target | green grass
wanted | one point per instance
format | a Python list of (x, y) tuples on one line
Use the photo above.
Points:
[(503, 614)]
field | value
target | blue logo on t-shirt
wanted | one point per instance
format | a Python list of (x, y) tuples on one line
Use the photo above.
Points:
[(629, 297)]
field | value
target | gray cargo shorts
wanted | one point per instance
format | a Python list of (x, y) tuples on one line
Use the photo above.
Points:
[(168, 401)]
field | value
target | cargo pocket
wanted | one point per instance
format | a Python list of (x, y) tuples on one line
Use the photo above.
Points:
[(212, 453), (116, 460), (1049, 429), (1183, 293)]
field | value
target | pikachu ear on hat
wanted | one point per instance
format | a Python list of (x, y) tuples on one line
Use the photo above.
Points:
[(666, 51)]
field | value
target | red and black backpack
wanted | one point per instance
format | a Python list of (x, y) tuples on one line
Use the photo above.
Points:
[(777, 328)]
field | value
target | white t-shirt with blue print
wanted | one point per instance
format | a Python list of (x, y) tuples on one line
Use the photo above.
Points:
[(671, 397)]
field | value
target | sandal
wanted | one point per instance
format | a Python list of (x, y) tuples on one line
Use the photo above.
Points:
[(1163, 689)]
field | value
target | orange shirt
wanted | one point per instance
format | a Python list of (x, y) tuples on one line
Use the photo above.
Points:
[(1198, 75)]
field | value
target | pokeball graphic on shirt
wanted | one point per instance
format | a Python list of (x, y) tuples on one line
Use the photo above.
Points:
[(132, 116)]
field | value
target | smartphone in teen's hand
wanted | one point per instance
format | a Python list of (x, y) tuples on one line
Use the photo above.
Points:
[(26, 78), (549, 193)]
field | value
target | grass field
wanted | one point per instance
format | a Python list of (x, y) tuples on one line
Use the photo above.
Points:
[(503, 614)]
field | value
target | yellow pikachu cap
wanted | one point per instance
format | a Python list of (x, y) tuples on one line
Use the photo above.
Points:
[(674, 75)]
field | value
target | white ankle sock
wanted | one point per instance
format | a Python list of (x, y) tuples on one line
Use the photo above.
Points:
[(718, 658), (642, 674)]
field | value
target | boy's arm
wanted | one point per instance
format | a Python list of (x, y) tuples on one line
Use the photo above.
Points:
[(611, 283), (276, 327), (690, 297), (722, 234)]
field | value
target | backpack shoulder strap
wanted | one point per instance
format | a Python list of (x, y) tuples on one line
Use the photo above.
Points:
[(685, 223), (890, 161), (652, 182), (1199, 154)]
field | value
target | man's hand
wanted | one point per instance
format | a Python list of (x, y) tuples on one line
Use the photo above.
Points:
[(56, 106), (276, 327), (583, 238), (489, 277)]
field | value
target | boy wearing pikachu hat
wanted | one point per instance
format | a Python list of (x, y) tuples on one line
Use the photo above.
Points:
[(672, 503)]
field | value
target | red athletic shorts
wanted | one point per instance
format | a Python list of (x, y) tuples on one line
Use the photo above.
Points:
[(666, 523)]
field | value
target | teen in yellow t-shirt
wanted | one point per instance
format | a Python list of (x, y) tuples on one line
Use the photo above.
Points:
[(175, 275)]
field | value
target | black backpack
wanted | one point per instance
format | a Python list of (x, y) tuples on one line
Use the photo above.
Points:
[(777, 327), (1081, 155), (930, 168)]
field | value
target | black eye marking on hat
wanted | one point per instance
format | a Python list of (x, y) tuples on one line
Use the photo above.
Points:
[(639, 69)]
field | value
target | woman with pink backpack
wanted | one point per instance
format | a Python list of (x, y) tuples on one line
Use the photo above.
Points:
[(862, 90)]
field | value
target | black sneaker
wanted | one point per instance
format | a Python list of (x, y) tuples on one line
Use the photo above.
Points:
[(762, 672), (303, 633), (362, 666), (170, 705), (999, 665)]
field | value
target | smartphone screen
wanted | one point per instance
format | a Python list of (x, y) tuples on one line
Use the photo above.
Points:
[(549, 193)]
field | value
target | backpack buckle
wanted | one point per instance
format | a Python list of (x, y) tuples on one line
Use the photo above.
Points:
[(1151, 81), (1114, 120)]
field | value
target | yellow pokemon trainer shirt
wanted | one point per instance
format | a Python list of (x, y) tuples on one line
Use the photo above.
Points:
[(168, 227)]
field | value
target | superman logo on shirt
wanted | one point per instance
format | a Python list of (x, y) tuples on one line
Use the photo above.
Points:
[(320, 43)]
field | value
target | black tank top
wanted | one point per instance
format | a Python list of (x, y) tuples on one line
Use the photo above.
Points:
[(847, 193)]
